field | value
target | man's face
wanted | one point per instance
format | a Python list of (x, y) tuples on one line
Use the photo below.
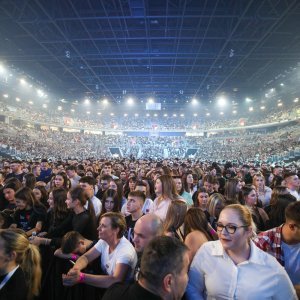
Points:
[(142, 235), (87, 187), (123, 176), (107, 169), (44, 166), (293, 181), (208, 187), (70, 173), (15, 167), (181, 279)]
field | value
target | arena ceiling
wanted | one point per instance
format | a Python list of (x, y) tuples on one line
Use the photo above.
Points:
[(164, 49)]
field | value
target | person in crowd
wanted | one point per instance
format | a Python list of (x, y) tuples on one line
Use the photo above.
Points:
[(20, 271), (166, 192), (292, 183), (59, 220), (144, 187), (88, 184), (16, 170), (233, 260), (173, 224), (181, 192), (277, 176), (283, 242), (9, 191), (146, 228), (208, 184), (130, 186), (110, 202), (29, 180), (103, 185), (73, 245), (118, 257), (30, 214), (73, 176), (46, 172), (276, 213), (163, 273), (233, 187), (259, 216), (107, 170), (135, 204), (202, 197), (247, 178), (216, 203), (188, 183), (41, 195), (60, 180), (196, 230), (264, 193)]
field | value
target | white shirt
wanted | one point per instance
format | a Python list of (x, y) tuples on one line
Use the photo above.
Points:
[(295, 194), (161, 209), (124, 253), (148, 206), (213, 275), (97, 206)]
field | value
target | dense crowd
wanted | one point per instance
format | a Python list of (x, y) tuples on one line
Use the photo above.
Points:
[(31, 143), (149, 229)]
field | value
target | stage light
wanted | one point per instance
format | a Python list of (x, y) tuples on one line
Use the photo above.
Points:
[(251, 108), (105, 101), (150, 100), (147, 115), (182, 115), (87, 101), (155, 115), (248, 100), (165, 115), (23, 81), (262, 107), (174, 115), (112, 114), (234, 111), (40, 93), (195, 115), (98, 113), (194, 101), (136, 115), (18, 99), (45, 105), (281, 84), (125, 115), (30, 102), (130, 101), (222, 101), (279, 104), (5, 95), (72, 110), (221, 113), (208, 114), (88, 112), (296, 100), (2, 69)]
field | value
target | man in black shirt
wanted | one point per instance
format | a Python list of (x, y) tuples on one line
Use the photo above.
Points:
[(163, 274), (135, 204), (17, 171)]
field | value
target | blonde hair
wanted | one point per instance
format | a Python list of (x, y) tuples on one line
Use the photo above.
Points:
[(244, 214), (27, 256), (213, 201)]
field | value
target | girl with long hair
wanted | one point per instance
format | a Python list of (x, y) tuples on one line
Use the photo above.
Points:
[(20, 266)]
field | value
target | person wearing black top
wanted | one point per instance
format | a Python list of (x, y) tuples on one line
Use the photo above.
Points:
[(20, 272), (84, 221), (155, 282), (135, 204)]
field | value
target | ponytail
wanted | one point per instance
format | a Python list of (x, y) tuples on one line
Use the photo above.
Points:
[(31, 266)]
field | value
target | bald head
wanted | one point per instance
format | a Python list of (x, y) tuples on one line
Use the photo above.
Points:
[(146, 228)]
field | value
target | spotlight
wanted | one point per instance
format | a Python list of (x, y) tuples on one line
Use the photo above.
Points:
[(87, 101), (222, 101), (130, 101), (208, 114), (150, 100), (59, 108), (262, 107), (251, 108), (195, 115), (194, 101), (105, 101)]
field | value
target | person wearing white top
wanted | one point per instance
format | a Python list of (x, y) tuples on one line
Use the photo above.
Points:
[(118, 257), (292, 182), (233, 267)]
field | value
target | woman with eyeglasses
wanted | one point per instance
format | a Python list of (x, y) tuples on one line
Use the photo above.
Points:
[(233, 267)]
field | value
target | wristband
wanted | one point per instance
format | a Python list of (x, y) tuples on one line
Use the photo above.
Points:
[(74, 256), (81, 277)]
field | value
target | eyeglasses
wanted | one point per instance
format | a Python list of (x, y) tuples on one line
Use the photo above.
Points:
[(231, 229)]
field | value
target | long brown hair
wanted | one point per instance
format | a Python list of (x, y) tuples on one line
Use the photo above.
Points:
[(168, 187), (60, 209), (175, 215), (195, 219)]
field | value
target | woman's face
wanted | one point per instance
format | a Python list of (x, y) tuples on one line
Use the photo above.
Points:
[(9, 194), (21, 204), (239, 238), (89, 173), (105, 231), (132, 185), (189, 179), (37, 194), (251, 198), (51, 200), (158, 187), (259, 182), (112, 185), (178, 184), (59, 181), (239, 186), (109, 204), (202, 200)]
